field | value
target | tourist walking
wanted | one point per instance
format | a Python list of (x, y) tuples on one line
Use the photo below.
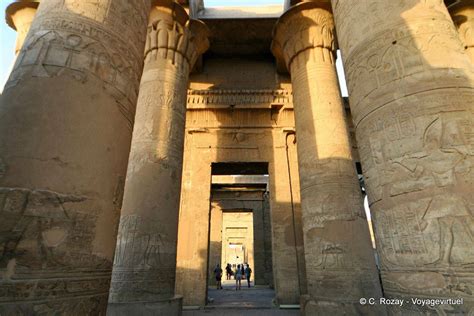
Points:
[(218, 274), (238, 277), (228, 270), (248, 273)]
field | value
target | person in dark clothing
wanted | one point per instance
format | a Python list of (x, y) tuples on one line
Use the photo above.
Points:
[(228, 270), (218, 274), (248, 274)]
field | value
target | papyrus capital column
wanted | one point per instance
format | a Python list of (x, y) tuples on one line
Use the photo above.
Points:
[(411, 93), (308, 30), (462, 12), (143, 278), (65, 130), (19, 16), (340, 266)]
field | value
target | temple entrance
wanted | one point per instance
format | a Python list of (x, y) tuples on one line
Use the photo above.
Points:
[(240, 158), (240, 235)]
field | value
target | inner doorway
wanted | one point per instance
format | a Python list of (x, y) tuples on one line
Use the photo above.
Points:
[(240, 234)]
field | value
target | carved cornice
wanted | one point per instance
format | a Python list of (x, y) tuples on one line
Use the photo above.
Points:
[(305, 26), (173, 36), (247, 98)]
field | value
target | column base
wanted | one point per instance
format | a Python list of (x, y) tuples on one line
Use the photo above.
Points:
[(168, 307), (311, 306)]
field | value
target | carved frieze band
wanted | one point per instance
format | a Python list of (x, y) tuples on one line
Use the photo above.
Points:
[(226, 98)]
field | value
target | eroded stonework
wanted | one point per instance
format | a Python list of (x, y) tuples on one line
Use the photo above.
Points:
[(411, 98), (145, 261), (340, 266), (70, 101), (68, 110)]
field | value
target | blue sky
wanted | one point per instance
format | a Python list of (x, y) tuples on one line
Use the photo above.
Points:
[(7, 42)]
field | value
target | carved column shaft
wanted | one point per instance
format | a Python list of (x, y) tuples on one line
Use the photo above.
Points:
[(143, 278), (65, 131), (20, 15), (411, 95), (340, 266), (462, 14)]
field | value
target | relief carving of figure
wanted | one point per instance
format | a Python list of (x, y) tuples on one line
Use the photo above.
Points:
[(443, 161), (332, 256)]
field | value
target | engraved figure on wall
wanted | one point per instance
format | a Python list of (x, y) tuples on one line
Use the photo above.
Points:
[(445, 222)]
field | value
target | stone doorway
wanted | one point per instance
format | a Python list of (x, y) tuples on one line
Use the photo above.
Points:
[(240, 233)]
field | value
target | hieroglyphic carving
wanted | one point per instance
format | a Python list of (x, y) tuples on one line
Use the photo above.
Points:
[(44, 226), (395, 53), (55, 246), (334, 225), (139, 238), (41, 233), (145, 258), (414, 131), (64, 41), (142, 259)]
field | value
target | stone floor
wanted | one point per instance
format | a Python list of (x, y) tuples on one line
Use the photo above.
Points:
[(251, 301)]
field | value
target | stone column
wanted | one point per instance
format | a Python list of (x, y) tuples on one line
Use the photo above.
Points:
[(411, 95), (340, 264), (19, 15), (462, 13), (143, 278), (65, 132)]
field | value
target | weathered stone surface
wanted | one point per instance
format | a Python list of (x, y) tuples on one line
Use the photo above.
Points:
[(19, 16), (462, 13), (340, 266), (237, 112), (145, 258), (411, 93), (66, 119), (65, 135)]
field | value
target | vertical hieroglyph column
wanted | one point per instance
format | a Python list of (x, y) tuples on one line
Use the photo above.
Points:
[(462, 13), (340, 264), (411, 96), (143, 278), (19, 16), (65, 131)]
